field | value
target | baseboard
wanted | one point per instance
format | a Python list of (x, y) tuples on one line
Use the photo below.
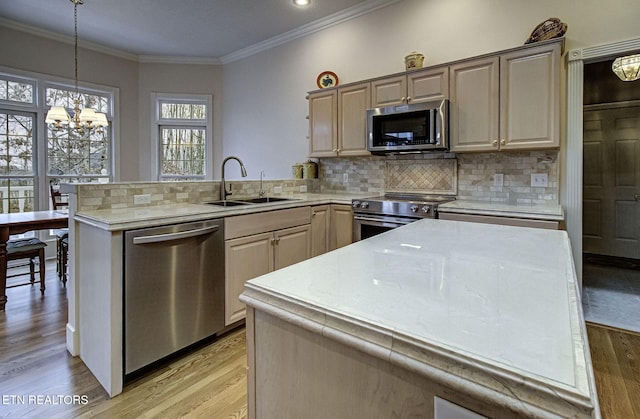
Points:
[(618, 262)]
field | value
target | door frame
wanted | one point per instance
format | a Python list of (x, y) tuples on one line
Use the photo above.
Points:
[(571, 169)]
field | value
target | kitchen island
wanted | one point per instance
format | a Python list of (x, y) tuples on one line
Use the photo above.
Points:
[(431, 316)]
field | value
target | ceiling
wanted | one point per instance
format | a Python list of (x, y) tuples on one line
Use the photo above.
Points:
[(206, 29)]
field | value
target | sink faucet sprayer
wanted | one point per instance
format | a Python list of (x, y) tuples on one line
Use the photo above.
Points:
[(261, 192), (223, 188)]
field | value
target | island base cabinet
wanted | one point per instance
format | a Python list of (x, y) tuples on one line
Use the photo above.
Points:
[(295, 373)]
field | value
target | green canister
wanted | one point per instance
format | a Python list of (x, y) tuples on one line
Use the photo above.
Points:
[(297, 170), (310, 169)]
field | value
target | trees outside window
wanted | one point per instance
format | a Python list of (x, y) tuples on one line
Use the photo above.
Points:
[(33, 154), (183, 130)]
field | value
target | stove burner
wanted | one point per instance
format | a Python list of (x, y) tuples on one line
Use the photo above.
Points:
[(404, 205)]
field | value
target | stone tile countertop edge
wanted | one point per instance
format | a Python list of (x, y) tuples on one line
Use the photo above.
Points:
[(551, 211), (149, 216)]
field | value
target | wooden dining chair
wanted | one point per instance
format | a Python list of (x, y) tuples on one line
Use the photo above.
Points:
[(60, 201), (32, 249)]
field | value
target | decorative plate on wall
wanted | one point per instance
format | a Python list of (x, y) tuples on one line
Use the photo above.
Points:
[(327, 79)]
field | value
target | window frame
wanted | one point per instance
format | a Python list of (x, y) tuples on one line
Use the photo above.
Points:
[(40, 109), (158, 123)]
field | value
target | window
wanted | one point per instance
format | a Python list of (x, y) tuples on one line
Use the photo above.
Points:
[(74, 157), (183, 130), (17, 176), (32, 154)]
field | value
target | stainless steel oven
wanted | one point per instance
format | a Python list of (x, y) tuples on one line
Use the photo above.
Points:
[(372, 216)]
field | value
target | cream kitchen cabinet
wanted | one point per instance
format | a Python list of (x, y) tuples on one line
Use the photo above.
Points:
[(341, 226), (320, 227), (508, 221), (337, 121), (331, 227), (414, 87), (259, 243), (506, 102)]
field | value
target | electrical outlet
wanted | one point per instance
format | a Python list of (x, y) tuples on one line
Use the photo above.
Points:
[(498, 180), (142, 199), (303, 188), (539, 180), (277, 189), (345, 177)]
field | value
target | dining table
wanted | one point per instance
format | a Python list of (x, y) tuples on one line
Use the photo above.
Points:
[(21, 222)]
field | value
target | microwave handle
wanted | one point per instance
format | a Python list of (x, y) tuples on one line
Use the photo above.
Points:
[(433, 115)]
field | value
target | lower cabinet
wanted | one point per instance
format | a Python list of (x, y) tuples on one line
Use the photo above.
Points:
[(320, 225), (510, 221), (341, 231), (331, 227), (256, 244)]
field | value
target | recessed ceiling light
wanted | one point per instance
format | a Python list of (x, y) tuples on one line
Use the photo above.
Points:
[(302, 2)]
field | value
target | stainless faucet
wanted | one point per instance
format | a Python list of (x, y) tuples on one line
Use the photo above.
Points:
[(223, 187), (261, 192)]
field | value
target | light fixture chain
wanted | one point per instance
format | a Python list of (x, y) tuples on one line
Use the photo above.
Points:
[(75, 44)]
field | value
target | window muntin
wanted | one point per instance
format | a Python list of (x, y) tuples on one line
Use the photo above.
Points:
[(60, 96), (183, 151), (17, 91), (17, 172), (26, 169), (182, 111)]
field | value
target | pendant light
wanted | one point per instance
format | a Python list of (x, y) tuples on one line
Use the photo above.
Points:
[(83, 119), (627, 68)]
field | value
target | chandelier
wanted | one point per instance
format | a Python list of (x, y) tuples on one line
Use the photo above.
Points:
[(627, 68), (84, 119)]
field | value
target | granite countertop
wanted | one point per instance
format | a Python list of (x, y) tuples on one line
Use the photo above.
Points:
[(550, 211), (492, 301), (149, 216)]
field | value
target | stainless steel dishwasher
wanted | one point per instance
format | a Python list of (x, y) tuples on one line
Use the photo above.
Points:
[(173, 289)]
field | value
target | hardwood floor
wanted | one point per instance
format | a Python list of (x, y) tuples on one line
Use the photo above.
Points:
[(615, 355), (38, 378)]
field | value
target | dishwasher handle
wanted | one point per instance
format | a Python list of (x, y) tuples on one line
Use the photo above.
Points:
[(158, 238)]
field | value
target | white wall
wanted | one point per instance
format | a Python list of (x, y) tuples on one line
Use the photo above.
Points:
[(259, 102), (28, 52), (201, 79), (264, 102)]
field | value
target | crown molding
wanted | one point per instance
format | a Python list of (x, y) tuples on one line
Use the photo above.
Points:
[(165, 59), (66, 39), (310, 28), (313, 27)]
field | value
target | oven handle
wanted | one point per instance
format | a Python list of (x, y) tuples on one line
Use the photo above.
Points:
[(382, 220)]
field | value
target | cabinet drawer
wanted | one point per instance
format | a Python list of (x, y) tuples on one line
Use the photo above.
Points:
[(261, 222), (510, 221)]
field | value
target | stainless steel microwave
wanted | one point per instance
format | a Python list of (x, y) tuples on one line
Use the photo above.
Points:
[(416, 127)]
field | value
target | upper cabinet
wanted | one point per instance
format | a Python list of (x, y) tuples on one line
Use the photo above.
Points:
[(337, 121), (506, 102), (414, 87), (323, 114), (502, 101)]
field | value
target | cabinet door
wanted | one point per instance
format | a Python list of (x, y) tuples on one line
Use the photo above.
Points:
[(530, 98), (245, 258), (474, 117), (389, 91), (319, 230), (323, 113), (353, 102), (428, 85), (292, 245), (341, 232)]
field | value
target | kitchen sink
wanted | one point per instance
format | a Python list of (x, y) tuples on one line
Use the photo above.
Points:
[(228, 203), (266, 199)]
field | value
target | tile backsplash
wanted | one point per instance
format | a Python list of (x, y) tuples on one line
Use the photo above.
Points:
[(476, 175), (469, 176)]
